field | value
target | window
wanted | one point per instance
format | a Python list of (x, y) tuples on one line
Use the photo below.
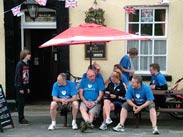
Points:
[(151, 22)]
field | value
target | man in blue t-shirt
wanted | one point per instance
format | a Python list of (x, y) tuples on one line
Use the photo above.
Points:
[(158, 82), (64, 96), (126, 63), (138, 97), (91, 90)]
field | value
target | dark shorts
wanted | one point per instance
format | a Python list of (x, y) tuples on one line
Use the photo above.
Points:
[(117, 104)]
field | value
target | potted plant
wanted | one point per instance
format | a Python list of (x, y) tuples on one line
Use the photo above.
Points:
[(95, 15)]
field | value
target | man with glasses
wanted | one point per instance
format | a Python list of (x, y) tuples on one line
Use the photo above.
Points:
[(64, 95), (90, 92)]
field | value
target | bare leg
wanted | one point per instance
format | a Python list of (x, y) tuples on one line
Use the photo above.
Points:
[(53, 110), (123, 116), (75, 106), (153, 117)]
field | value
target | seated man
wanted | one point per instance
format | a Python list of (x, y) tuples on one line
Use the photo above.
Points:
[(91, 92), (138, 97), (158, 82), (64, 94), (98, 74), (113, 98)]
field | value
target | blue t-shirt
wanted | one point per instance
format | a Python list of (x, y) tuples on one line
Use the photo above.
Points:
[(125, 63), (158, 80), (141, 95), (91, 89), (66, 91)]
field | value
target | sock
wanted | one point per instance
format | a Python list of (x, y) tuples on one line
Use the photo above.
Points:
[(53, 122), (73, 121)]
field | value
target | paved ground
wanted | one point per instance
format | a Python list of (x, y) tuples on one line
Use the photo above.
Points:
[(40, 120)]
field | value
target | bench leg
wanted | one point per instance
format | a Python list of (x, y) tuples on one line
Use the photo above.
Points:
[(138, 117), (65, 120)]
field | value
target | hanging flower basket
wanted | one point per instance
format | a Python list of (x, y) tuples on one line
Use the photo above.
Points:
[(95, 15)]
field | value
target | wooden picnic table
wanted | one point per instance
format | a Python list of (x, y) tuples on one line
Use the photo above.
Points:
[(168, 92)]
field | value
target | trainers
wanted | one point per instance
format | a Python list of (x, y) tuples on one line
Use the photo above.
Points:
[(103, 126), (108, 121), (83, 126), (155, 131), (90, 125), (74, 126), (23, 121), (119, 128), (52, 127)]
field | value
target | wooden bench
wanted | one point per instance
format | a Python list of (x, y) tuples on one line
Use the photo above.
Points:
[(167, 93)]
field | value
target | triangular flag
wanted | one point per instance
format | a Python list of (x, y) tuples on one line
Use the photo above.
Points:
[(41, 2), (16, 10), (70, 3)]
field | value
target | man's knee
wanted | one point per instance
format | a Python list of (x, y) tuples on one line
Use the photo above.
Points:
[(75, 104), (53, 105)]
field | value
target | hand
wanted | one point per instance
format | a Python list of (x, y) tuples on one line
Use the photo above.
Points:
[(136, 109), (90, 104), (112, 96), (21, 91), (28, 91), (131, 71)]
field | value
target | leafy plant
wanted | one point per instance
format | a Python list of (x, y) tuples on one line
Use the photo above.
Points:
[(95, 15)]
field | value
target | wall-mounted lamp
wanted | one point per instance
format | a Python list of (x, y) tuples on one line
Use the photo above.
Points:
[(32, 8)]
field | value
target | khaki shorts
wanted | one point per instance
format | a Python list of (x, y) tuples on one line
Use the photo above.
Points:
[(128, 107), (95, 110)]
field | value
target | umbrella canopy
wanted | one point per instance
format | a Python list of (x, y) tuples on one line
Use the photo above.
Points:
[(87, 33), (90, 33)]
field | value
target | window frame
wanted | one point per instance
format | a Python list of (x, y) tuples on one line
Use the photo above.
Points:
[(153, 37)]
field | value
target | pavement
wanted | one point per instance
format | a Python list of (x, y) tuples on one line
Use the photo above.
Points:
[(39, 117)]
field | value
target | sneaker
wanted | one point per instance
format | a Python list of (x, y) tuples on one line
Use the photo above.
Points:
[(103, 126), (83, 126), (119, 128), (90, 125), (74, 126), (24, 121), (52, 127), (155, 131), (108, 121)]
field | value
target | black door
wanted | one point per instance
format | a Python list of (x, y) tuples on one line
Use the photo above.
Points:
[(43, 68)]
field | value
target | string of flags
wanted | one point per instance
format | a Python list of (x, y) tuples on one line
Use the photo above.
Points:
[(16, 11)]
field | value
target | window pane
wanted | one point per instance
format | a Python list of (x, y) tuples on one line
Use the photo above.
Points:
[(146, 48), (160, 29), (159, 47), (160, 15), (134, 28), (147, 15), (161, 61), (135, 62), (144, 63), (132, 44), (146, 29), (134, 17)]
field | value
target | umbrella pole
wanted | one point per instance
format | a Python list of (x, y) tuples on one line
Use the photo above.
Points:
[(90, 53)]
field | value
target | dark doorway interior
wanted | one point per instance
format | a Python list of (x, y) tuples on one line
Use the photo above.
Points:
[(43, 68)]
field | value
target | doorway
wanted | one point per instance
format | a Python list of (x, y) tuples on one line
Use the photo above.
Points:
[(43, 65)]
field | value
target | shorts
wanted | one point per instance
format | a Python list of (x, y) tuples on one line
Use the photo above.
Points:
[(64, 109), (117, 104), (95, 110), (128, 107)]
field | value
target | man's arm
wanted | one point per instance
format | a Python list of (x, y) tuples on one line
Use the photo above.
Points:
[(101, 93)]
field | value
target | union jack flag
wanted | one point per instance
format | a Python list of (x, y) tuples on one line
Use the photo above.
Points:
[(41, 2), (130, 10), (70, 3), (16, 10)]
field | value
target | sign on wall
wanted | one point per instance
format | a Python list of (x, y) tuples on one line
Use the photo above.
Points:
[(98, 51)]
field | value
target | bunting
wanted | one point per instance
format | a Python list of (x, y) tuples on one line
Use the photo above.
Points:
[(130, 10), (16, 10), (41, 2), (70, 3)]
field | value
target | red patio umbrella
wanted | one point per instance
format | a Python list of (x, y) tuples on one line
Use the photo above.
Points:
[(90, 33)]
